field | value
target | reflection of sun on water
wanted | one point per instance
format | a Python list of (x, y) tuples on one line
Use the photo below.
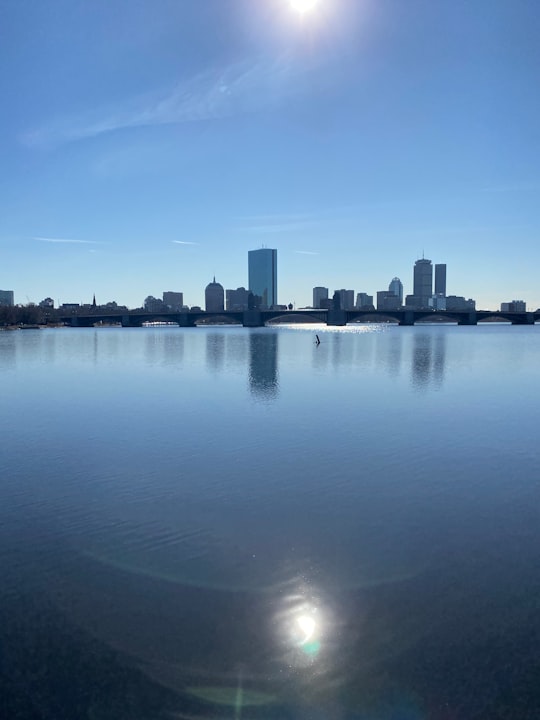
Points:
[(302, 628)]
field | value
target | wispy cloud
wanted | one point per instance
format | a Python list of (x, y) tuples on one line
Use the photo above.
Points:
[(65, 240), (184, 242), (243, 87), (306, 252)]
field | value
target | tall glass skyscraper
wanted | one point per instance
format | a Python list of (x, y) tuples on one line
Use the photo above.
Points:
[(440, 279), (262, 270), (423, 282)]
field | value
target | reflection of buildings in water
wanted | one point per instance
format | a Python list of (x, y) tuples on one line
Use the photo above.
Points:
[(337, 349), (439, 358), (421, 359), (215, 351), (236, 350), (8, 350), (162, 346), (428, 359), (263, 364), (394, 356)]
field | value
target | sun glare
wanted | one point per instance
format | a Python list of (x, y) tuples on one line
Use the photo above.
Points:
[(304, 6)]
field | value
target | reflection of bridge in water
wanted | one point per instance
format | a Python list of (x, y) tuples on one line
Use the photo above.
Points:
[(259, 318)]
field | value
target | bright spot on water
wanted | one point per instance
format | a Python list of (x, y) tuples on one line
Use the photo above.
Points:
[(308, 626), (303, 627)]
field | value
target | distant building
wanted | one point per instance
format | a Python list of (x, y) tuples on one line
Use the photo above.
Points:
[(173, 300), (364, 301), (327, 304), (319, 293), (396, 287), (514, 306), (262, 272), (7, 298), (346, 299), (437, 302), (214, 297), (237, 299), (457, 302), (47, 303), (387, 300), (440, 279), (154, 305), (422, 284), (412, 301)]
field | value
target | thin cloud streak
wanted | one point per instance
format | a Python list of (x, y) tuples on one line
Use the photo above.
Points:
[(306, 252), (241, 88), (71, 241), (184, 242)]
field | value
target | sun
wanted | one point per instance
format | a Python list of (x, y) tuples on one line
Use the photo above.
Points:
[(304, 6)]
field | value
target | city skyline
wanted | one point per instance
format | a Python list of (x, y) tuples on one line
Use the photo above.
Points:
[(428, 281), (147, 149)]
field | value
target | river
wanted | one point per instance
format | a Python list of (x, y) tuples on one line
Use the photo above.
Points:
[(230, 523)]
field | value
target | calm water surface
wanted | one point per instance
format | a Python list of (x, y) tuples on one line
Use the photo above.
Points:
[(232, 523)]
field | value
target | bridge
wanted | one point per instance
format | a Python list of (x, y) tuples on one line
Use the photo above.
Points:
[(260, 318)]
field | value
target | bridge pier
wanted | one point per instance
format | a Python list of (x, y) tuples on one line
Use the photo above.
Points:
[(252, 318), (185, 320), (336, 317), (408, 318), (469, 319), (524, 319)]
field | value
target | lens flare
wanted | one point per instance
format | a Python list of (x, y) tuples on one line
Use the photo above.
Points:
[(304, 6)]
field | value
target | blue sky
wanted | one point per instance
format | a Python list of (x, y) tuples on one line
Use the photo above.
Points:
[(148, 145)]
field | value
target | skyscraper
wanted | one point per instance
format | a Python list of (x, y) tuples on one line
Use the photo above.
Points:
[(262, 271), (440, 279), (6, 298), (173, 300), (214, 297), (237, 299), (319, 293), (423, 282), (346, 299), (396, 287)]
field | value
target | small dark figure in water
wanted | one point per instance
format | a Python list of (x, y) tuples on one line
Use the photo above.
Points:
[(317, 341)]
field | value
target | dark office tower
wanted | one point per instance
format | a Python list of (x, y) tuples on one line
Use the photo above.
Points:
[(262, 270), (440, 280), (423, 282), (396, 287), (214, 297)]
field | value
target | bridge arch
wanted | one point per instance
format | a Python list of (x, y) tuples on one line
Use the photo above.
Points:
[(290, 316), (495, 317), (360, 317), (219, 319), (440, 318), (159, 320)]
